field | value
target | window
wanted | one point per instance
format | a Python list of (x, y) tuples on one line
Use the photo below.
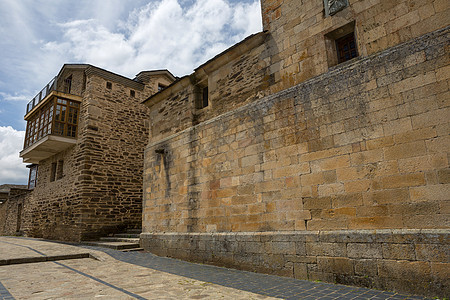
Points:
[(58, 117), (205, 97), (346, 48), (341, 44), (132, 93), (161, 87), (68, 84), (108, 85), (32, 179), (201, 96), (53, 172), (59, 171)]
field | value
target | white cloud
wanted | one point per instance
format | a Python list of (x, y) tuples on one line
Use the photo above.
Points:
[(23, 96), (12, 170), (123, 36), (159, 35)]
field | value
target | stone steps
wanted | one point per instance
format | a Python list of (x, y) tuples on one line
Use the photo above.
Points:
[(119, 239), (127, 235), (127, 241)]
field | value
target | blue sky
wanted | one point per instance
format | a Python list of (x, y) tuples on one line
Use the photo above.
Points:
[(124, 36)]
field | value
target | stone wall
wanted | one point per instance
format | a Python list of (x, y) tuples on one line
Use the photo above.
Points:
[(14, 209), (300, 48), (100, 190), (114, 132), (411, 261), (362, 146), (3, 198), (52, 210)]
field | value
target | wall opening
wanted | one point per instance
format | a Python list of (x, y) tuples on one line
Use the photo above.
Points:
[(341, 44)]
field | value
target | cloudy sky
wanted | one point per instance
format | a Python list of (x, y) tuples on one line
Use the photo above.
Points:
[(124, 36)]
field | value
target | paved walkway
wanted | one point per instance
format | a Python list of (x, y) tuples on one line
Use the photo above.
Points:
[(38, 269)]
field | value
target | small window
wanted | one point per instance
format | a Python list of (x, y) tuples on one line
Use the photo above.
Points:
[(132, 93), (205, 97), (341, 44), (346, 48), (201, 97), (53, 172), (68, 84), (108, 85), (161, 87), (32, 180), (59, 172)]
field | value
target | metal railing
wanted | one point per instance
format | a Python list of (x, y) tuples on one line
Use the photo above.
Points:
[(51, 86)]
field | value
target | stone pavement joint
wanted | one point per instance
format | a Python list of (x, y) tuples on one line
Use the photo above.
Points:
[(102, 282), (41, 258), (28, 260)]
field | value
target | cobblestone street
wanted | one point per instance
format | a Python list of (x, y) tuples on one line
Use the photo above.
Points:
[(38, 269)]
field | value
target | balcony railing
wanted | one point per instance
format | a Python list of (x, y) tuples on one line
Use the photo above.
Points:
[(51, 86)]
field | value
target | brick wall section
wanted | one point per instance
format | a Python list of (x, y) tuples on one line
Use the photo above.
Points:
[(411, 261), (363, 146), (297, 28)]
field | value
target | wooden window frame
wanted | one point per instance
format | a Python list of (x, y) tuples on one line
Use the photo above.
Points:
[(45, 122), (344, 49)]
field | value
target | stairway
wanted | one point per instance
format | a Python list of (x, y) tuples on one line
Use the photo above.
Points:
[(128, 241)]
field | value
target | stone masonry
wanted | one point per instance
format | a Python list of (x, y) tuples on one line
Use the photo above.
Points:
[(322, 171), (100, 187)]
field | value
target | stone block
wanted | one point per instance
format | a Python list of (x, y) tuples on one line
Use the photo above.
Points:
[(444, 176), (366, 267), (399, 251), (366, 157), (300, 271), (433, 252), (399, 181), (439, 192), (364, 250), (326, 249), (335, 265), (405, 150), (330, 163), (413, 270)]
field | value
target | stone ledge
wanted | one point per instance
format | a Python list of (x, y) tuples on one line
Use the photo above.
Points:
[(37, 259)]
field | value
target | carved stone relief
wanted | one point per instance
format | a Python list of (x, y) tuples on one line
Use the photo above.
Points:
[(333, 6)]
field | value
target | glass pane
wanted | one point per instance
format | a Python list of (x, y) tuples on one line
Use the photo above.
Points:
[(59, 128), (63, 113), (62, 101)]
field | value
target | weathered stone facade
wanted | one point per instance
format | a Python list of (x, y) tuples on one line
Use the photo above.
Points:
[(12, 198), (320, 171), (98, 188)]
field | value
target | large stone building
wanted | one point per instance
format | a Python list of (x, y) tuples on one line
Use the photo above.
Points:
[(85, 135), (316, 149)]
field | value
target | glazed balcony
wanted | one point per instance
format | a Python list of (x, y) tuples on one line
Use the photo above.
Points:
[(52, 123)]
